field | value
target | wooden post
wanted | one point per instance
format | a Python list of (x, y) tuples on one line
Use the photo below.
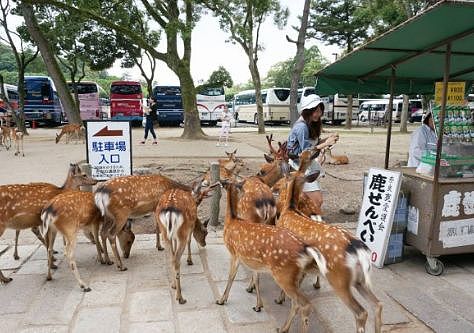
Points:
[(348, 124), (404, 115), (216, 197), (390, 111)]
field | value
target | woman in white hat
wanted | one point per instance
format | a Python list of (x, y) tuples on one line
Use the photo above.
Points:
[(305, 134), (421, 139)]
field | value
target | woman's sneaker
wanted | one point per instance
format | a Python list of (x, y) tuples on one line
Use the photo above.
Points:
[(142, 142)]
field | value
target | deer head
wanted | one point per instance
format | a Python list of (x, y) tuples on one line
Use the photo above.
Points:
[(200, 232), (277, 163), (126, 238), (77, 178), (199, 194)]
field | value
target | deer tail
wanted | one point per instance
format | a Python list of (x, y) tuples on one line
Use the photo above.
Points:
[(102, 199), (48, 216), (172, 219), (358, 261)]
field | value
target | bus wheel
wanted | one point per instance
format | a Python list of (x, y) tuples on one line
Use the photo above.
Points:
[(255, 119), (362, 119), (213, 123)]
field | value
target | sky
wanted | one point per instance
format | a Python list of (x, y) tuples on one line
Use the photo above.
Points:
[(210, 50)]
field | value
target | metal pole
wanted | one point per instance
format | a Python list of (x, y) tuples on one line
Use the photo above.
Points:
[(216, 197), (390, 107), (439, 146)]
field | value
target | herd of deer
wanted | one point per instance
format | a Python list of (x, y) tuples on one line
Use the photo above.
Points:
[(271, 226)]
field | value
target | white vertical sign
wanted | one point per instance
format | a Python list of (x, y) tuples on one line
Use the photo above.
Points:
[(109, 149), (377, 211)]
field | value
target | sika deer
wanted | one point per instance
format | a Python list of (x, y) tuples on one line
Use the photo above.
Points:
[(176, 217), (18, 138), (130, 197), (229, 168), (271, 249), (21, 204), (345, 260), (6, 132), (337, 159), (71, 130)]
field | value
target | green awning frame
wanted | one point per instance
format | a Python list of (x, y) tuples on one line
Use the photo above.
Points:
[(416, 49)]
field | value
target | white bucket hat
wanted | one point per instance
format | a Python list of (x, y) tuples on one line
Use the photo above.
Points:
[(310, 102)]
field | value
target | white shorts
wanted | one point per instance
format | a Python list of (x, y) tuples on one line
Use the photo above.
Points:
[(313, 168), (225, 129)]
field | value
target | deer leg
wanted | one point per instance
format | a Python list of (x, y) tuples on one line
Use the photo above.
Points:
[(176, 264), (359, 312), (70, 247), (3, 279), (251, 286), (293, 310), (15, 254), (158, 243), (95, 237), (281, 298), (190, 259), (234, 265), (367, 293), (49, 247), (259, 305), (118, 260), (103, 236)]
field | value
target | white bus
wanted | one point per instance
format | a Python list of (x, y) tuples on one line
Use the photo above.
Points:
[(276, 105), (336, 114), (210, 104)]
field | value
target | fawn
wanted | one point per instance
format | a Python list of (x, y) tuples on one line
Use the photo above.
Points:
[(176, 217), (269, 249), (130, 197), (228, 168), (71, 130), (345, 259), (337, 159), (21, 204), (68, 213)]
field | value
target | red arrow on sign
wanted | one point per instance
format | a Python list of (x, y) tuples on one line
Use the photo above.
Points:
[(106, 132)]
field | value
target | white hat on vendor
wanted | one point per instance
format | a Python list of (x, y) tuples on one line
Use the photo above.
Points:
[(311, 102)]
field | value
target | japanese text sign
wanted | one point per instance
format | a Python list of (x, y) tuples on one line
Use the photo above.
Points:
[(455, 94), (377, 212), (109, 150)]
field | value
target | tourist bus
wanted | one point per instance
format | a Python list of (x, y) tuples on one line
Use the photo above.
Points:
[(88, 94), (41, 101), (170, 104), (126, 101), (210, 103), (276, 105), (12, 95)]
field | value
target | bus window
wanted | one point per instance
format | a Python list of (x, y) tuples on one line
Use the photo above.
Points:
[(282, 94)]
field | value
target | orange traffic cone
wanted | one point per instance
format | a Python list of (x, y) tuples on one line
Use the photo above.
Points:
[(33, 124)]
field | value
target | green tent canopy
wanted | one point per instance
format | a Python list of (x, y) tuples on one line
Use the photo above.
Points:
[(415, 49)]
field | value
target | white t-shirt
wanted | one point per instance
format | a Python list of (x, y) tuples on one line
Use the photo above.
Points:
[(420, 139), (226, 116)]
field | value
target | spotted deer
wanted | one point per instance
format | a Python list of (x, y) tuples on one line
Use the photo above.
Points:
[(176, 217), (345, 260), (265, 248), (21, 204), (336, 159), (119, 199), (71, 130), (68, 213), (6, 136), (18, 137), (229, 168)]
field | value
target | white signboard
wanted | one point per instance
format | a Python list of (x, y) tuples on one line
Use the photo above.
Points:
[(109, 149), (457, 233), (377, 211)]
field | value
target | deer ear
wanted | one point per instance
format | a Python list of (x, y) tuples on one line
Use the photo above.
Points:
[(268, 158), (228, 154), (313, 177), (235, 151)]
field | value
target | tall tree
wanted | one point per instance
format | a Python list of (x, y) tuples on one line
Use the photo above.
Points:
[(339, 22), (176, 18), (47, 53), (243, 21), (299, 61), (220, 77), (22, 56)]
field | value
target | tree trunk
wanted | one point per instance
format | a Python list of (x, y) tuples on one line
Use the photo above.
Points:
[(348, 124), (149, 87), (404, 115), (258, 94), (192, 123), (299, 64), (21, 100), (68, 104)]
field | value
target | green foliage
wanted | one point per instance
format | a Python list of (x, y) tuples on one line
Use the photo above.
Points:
[(279, 74), (220, 77), (339, 22)]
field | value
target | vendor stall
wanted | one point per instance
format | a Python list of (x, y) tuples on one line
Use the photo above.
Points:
[(435, 46)]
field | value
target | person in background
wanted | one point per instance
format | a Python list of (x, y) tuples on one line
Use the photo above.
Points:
[(305, 134), (423, 137), (226, 116), (149, 112)]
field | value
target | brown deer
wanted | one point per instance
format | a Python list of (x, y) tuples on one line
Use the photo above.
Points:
[(122, 198), (71, 130), (176, 217), (345, 260), (68, 213), (229, 168), (270, 249), (18, 138), (336, 159), (21, 204), (6, 137)]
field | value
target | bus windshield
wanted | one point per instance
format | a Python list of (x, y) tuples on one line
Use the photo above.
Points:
[(211, 91), (38, 89), (126, 89), (167, 90), (84, 88)]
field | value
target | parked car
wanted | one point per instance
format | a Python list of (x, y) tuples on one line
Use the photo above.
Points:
[(415, 110)]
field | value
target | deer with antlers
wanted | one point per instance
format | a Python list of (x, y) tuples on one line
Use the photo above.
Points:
[(176, 217), (345, 260), (21, 204), (265, 248), (71, 130), (68, 213), (229, 168), (119, 199)]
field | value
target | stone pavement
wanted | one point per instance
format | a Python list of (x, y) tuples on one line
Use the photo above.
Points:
[(140, 299)]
